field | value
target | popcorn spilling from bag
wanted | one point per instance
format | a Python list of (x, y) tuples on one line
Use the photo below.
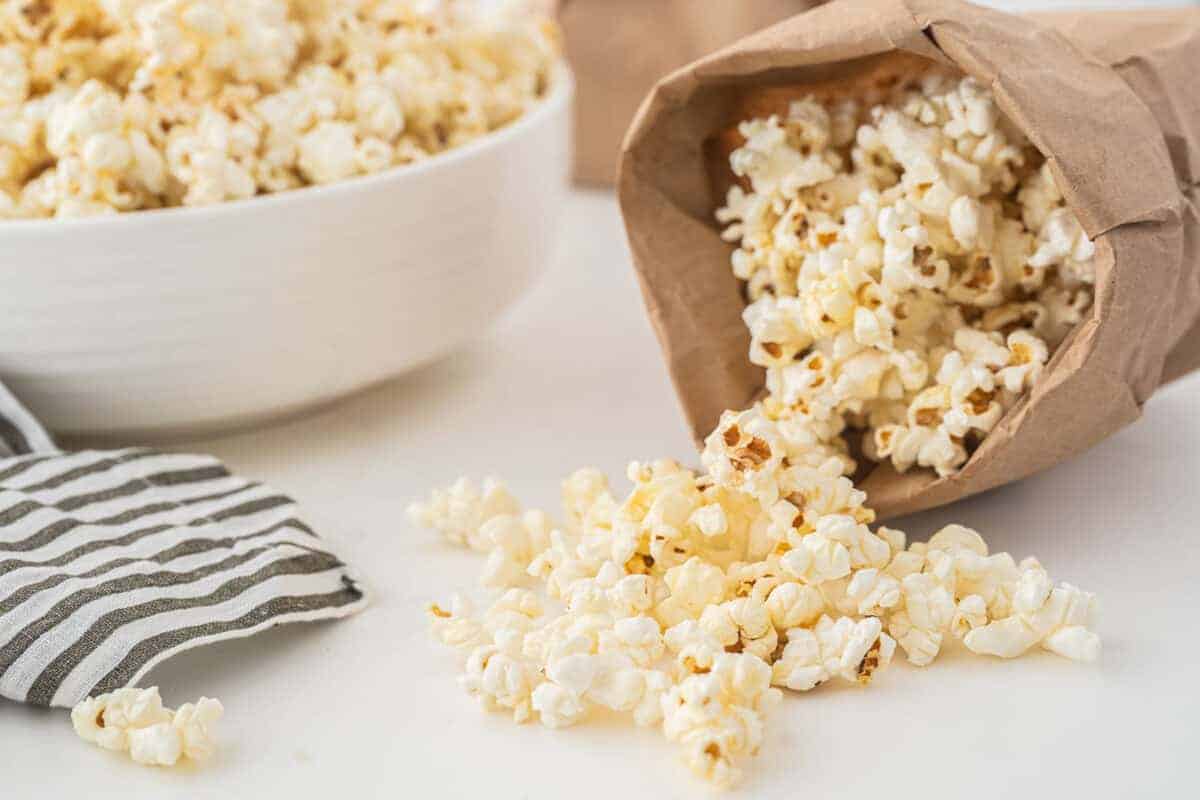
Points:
[(691, 603), (134, 721), (910, 268), (112, 106)]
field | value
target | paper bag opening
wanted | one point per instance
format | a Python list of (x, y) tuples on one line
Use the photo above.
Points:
[(1102, 95)]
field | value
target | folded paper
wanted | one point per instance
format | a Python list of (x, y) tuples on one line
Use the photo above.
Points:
[(112, 561)]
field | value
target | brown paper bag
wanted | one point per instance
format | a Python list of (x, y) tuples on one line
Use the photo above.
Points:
[(1108, 97), (620, 48)]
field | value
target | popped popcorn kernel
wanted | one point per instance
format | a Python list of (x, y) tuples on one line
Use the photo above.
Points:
[(1057, 617), (135, 721)]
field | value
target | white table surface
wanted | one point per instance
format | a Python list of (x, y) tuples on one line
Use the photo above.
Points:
[(369, 707)]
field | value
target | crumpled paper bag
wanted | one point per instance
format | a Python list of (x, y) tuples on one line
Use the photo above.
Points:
[(1108, 97), (620, 48)]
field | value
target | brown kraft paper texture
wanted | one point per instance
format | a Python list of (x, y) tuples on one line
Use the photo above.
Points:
[(1108, 97), (620, 48)]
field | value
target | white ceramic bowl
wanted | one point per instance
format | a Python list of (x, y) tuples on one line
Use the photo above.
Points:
[(183, 321)]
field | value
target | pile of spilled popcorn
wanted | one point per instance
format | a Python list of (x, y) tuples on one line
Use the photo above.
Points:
[(134, 721), (910, 268), (684, 604), (121, 105), (909, 273)]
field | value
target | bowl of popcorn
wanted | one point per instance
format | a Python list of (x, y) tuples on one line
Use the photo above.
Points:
[(214, 213)]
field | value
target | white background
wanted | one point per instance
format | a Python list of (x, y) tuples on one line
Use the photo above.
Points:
[(369, 708)]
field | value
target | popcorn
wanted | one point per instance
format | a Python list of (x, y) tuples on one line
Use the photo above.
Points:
[(120, 106), (135, 721), (1055, 616), (456, 627), (556, 707), (693, 586), (694, 649), (887, 267), (864, 548), (741, 626), (514, 542), (1027, 357), (848, 649), (460, 511), (966, 221), (250, 41), (794, 604), (817, 560), (909, 273), (328, 152), (632, 595), (639, 638), (710, 520), (785, 584), (718, 715), (921, 623), (501, 681), (649, 711), (873, 592), (970, 614), (745, 452)]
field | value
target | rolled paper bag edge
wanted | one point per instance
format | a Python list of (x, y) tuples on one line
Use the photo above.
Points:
[(1122, 159), (620, 48)]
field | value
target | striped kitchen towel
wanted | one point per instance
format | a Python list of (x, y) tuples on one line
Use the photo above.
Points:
[(112, 561)]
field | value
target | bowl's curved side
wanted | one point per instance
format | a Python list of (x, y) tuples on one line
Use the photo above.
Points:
[(182, 323)]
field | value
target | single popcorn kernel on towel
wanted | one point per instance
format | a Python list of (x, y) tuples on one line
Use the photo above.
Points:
[(692, 602), (135, 721), (910, 267), (119, 106)]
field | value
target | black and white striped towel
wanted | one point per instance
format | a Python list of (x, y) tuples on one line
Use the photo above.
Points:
[(113, 561)]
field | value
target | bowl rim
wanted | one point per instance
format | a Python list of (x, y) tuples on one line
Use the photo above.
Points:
[(553, 102)]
